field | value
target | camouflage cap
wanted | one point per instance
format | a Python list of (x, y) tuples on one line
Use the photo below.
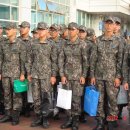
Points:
[(83, 28), (63, 27), (42, 25), (116, 19), (25, 24), (34, 30), (90, 32), (109, 18), (73, 25), (55, 26), (11, 25)]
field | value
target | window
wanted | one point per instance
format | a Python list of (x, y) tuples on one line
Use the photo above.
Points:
[(50, 11), (79, 17), (41, 5), (83, 18), (4, 12), (40, 17), (62, 19), (56, 19), (33, 16), (52, 6), (14, 13)]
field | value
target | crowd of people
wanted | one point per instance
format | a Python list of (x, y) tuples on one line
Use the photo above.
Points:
[(72, 55)]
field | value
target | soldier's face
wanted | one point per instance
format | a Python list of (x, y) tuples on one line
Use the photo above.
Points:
[(24, 31), (54, 33), (109, 26), (10, 32), (1, 30), (42, 33), (117, 27), (73, 32), (65, 33), (82, 34), (35, 35)]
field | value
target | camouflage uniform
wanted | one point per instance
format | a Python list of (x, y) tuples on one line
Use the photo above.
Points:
[(105, 66), (43, 67), (122, 41), (34, 33), (58, 43), (1, 88), (12, 62), (126, 69), (73, 65), (63, 28), (27, 43)]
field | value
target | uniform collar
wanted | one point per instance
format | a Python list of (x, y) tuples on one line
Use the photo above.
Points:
[(57, 40), (25, 39), (14, 41), (77, 41), (107, 39), (45, 42)]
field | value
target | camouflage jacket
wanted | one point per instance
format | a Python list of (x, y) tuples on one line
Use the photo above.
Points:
[(73, 60), (12, 58), (126, 64), (44, 60), (106, 58), (58, 44), (2, 38), (28, 44)]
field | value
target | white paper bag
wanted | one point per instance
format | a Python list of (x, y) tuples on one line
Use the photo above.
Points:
[(122, 97), (64, 98), (29, 94)]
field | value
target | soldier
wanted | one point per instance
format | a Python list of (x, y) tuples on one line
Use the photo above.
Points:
[(43, 74), (90, 40), (64, 31), (117, 28), (105, 72), (1, 31), (12, 62), (82, 33), (35, 33), (1, 88), (126, 74), (82, 36), (122, 41), (58, 42), (27, 41), (73, 68), (91, 35)]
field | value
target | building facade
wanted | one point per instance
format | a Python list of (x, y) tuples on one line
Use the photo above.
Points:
[(34, 11), (85, 12)]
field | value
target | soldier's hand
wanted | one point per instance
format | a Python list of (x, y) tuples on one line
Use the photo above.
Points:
[(117, 82), (29, 78), (53, 80), (126, 86), (22, 78), (0, 77), (63, 80), (82, 80), (93, 81)]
